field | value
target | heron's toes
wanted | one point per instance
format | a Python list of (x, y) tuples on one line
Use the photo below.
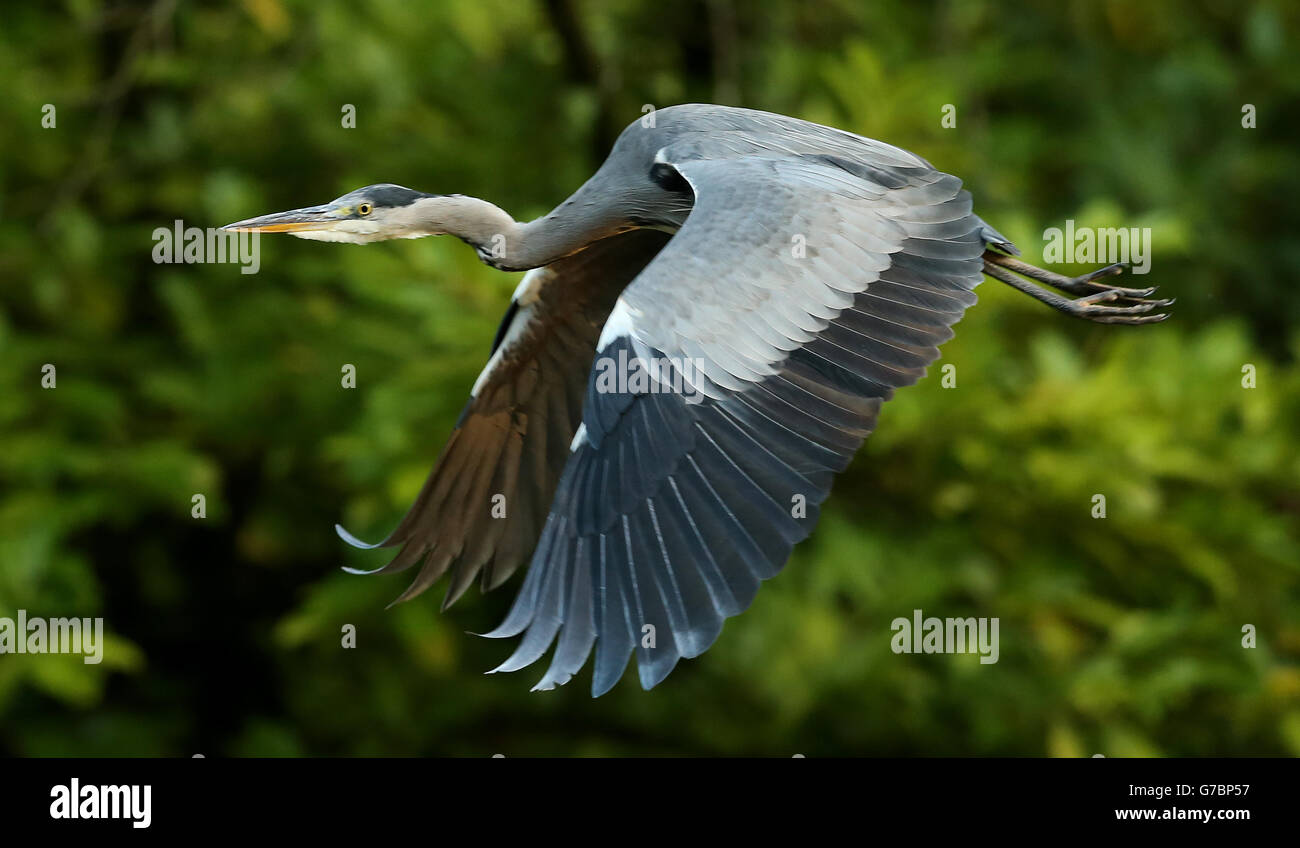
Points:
[(1110, 307), (1109, 271), (1104, 296), (1131, 294), (1127, 319), (1092, 281)]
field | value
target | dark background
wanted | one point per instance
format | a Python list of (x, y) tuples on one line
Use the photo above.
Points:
[(1119, 636)]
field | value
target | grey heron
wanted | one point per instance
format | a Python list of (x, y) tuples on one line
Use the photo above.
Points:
[(782, 277)]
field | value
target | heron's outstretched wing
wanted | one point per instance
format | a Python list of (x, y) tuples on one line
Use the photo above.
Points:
[(802, 290), (482, 507)]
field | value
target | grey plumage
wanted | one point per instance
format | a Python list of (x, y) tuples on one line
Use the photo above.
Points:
[(784, 277), (808, 285)]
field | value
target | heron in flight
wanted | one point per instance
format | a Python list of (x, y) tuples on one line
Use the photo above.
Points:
[(766, 284)]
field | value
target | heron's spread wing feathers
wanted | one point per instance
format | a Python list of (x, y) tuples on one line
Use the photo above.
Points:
[(802, 290), (794, 243), (481, 510)]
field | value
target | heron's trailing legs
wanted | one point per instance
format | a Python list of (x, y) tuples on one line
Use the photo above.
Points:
[(1130, 305)]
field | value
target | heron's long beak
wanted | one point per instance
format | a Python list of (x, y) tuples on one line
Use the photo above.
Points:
[(294, 221)]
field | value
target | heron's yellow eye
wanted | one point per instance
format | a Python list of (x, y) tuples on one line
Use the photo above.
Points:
[(364, 209)]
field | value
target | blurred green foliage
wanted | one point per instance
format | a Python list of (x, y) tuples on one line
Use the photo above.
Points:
[(1119, 636)]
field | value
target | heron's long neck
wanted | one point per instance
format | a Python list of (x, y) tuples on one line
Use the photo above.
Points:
[(504, 243)]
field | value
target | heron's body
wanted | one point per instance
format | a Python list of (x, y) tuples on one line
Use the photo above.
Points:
[(771, 282)]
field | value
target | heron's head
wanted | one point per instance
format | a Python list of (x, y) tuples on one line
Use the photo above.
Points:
[(373, 213)]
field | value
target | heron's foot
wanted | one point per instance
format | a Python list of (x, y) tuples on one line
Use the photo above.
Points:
[(1088, 283), (1126, 301), (1083, 284), (1113, 305), (1099, 301)]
